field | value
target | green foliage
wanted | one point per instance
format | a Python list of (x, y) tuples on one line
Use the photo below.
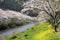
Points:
[(41, 31)]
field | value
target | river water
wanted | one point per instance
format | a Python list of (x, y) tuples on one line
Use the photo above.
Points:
[(17, 29)]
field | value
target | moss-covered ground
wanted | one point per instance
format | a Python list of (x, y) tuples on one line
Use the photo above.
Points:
[(42, 31)]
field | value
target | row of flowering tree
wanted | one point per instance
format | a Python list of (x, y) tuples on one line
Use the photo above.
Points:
[(50, 7)]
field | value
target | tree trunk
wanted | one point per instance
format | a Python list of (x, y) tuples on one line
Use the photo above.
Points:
[(56, 28), (55, 25)]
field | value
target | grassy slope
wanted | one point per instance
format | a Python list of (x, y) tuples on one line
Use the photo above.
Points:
[(41, 31)]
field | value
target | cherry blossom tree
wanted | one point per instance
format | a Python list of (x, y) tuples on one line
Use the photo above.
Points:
[(50, 7)]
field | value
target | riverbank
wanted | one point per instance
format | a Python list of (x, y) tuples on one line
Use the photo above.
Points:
[(16, 29), (43, 31)]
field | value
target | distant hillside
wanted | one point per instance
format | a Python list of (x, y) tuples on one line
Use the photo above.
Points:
[(15, 5)]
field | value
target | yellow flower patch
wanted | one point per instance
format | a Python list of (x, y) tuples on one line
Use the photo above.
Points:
[(41, 35)]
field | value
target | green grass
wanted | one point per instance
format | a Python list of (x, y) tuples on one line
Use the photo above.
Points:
[(43, 31)]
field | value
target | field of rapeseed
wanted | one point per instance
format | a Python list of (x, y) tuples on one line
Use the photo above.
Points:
[(43, 31)]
